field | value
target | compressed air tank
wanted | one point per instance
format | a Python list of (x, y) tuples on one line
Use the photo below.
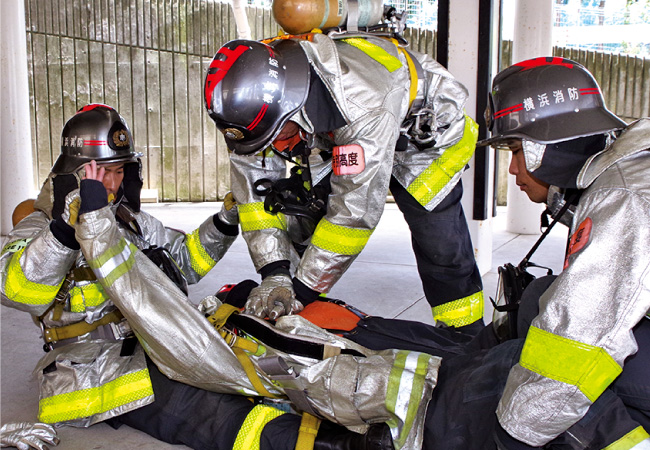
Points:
[(302, 16)]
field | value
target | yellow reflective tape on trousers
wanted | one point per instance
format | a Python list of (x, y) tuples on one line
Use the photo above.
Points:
[(630, 440), (340, 239), (249, 434), (19, 289), (114, 262), (253, 217), (86, 295), (435, 177), (404, 392), (390, 62), (460, 312), (200, 261), (88, 402), (587, 367)]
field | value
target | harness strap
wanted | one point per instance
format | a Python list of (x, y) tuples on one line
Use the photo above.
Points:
[(54, 334), (307, 433)]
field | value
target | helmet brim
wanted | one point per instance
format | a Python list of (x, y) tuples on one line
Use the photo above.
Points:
[(562, 128), (66, 164)]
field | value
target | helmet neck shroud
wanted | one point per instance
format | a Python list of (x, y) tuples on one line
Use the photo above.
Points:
[(562, 161)]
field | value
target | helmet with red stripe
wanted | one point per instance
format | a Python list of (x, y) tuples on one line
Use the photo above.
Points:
[(252, 89), (547, 100), (96, 132)]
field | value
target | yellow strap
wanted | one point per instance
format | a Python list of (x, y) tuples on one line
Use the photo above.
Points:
[(221, 315), (79, 328), (308, 430), (413, 74), (377, 53), (251, 373)]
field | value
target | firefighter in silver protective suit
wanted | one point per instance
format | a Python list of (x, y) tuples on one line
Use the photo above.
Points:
[(87, 266), (583, 376), (352, 116)]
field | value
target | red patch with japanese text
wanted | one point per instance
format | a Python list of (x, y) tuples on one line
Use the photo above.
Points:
[(579, 239), (348, 160)]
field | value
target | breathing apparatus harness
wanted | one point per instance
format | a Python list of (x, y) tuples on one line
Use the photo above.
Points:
[(295, 195), (514, 279)]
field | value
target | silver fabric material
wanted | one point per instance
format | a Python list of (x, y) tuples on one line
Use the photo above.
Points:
[(45, 261), (350, 390), (374, 118), (273, 298), (27, 436), (601, 295), (533, 154)]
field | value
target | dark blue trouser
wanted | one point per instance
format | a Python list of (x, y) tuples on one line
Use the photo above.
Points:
[(202, 420), (442, 246)]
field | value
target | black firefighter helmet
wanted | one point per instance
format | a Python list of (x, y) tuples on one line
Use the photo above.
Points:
[(252, 89), (98, 132)]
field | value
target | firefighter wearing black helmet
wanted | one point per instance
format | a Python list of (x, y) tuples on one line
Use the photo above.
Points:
[(93, 368), (355, 116), (587, 352)]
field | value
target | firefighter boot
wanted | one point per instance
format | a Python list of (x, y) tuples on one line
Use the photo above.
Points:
[(335, 437)]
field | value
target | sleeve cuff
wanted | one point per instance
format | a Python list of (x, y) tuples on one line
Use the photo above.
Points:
[(275, 268), (224, 228), (64, 233), (305, 294), (93, 196)]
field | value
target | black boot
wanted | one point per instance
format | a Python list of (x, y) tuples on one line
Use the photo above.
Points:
[(335, 437)]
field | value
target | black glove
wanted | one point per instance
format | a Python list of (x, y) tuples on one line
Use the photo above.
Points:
[(62, 185), (93, 196)]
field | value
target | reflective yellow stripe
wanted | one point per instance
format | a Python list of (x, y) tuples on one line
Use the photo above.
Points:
[(88, 402), (340, 239), (587, 367), (200, 261), (114, 262), (630, 440), (404, 392), (460, 312), (253, 217), (435, 177), (390, 62), (86, 295), (19, 289), (249, 434)]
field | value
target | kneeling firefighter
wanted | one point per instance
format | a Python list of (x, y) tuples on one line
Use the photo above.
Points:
[(355, 114)]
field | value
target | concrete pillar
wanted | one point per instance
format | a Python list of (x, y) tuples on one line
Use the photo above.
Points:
[(463, 64), (16, 168), (532, 38)]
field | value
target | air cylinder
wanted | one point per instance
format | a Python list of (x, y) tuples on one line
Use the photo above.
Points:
[(302, 16)]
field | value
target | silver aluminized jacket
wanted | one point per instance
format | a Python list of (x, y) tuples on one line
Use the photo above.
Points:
[(577, 344), (392, 386), (90, 372), (374, 101)]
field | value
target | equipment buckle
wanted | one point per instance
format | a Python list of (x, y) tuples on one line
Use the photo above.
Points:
[(425, 117), (121, 330), (229, 336)]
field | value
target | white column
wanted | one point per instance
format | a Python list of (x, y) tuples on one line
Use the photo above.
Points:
[(16, 168), (463, 64), (532, 38)]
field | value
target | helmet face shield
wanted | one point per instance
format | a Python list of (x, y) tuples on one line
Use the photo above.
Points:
[(252, 89), (96, 132), (547, 100)]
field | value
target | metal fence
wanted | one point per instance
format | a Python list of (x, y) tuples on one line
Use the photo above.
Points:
[(148, 59)]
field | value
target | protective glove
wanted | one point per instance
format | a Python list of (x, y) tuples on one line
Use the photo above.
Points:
[(273, 298), (228, 213), (26, 436)]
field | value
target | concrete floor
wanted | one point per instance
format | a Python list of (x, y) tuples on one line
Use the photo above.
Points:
[(382, 281)]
